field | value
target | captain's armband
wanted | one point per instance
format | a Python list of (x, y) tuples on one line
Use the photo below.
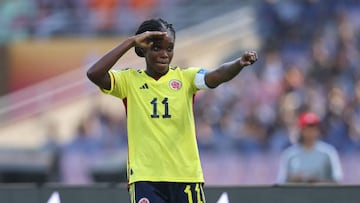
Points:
[(199, 80)]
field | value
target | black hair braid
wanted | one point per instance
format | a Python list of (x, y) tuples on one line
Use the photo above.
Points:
[(153, 25)]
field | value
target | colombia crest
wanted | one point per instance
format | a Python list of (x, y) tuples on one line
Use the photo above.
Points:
[(175, 84)]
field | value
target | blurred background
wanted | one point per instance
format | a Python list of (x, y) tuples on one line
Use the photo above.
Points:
[(56, 126)]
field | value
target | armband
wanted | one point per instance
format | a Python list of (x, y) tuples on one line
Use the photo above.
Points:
[(199, 80)]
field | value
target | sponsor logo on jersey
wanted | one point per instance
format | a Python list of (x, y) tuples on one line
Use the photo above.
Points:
[(144, 200), (175, 84)]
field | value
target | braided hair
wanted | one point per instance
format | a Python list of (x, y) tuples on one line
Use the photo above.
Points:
[(157, 24)]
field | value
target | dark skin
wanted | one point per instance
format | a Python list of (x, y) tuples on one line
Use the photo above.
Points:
[(158, 50)]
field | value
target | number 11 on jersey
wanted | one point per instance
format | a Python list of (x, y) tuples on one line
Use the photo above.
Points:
[(155, 108)]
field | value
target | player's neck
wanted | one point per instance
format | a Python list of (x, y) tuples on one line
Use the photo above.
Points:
[(154, 74)]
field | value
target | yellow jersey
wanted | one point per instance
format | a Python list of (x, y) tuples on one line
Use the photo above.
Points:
[(160, 124)]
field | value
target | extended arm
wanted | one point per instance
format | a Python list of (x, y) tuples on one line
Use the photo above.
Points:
[(229, 70), (98, 72)]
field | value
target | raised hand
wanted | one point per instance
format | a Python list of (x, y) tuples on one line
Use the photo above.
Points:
[(143, 40), (248, 58)]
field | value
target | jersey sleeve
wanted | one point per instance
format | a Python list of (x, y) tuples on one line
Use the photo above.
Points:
[(118, 84)]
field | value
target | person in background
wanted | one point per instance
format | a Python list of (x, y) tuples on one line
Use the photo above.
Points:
[(310, 160)]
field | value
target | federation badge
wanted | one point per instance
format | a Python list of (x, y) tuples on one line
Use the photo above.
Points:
[(144, 200), (175, 84)]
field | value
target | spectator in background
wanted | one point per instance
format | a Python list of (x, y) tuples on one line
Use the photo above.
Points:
[(15, 20), (78, 156), (310, 160), (354, 117), (52, 146), (100, 138), (54, 18), (143, 9), (103, 13), (336, 121)]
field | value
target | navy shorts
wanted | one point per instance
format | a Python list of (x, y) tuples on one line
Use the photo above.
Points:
[(166, 192)]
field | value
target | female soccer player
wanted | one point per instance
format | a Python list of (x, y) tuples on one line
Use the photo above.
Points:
[(163, 160)]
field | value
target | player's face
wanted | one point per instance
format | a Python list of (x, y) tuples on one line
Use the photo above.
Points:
[(159, 56)]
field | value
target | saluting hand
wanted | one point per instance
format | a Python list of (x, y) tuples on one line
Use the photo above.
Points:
[(248, 58), (143, 40)]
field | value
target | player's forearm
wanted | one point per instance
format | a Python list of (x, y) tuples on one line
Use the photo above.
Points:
[(98, 72), (224, 73)]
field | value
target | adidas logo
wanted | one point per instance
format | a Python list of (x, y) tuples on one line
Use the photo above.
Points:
[(144, 86)]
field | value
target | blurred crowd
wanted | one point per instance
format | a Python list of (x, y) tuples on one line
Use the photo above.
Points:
[(21, 19), (309, 60), (99, 144)]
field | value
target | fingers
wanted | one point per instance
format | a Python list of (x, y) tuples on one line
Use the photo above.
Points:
[(251, 56), (145, 38), (149, 34), (248, 58)]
